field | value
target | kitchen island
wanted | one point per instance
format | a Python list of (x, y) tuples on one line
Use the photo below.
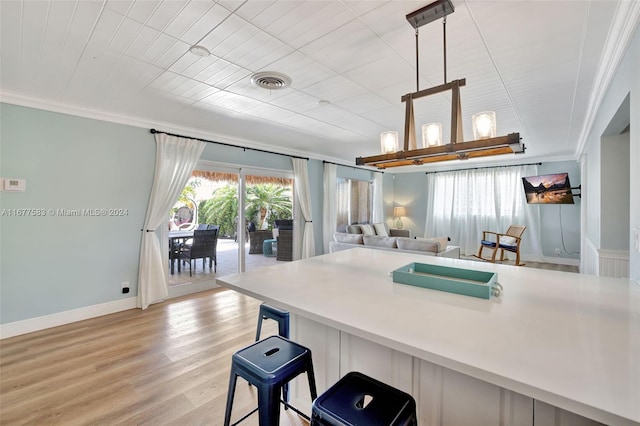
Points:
[(556, 348)]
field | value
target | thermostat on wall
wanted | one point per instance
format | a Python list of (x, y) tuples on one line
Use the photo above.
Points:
[(14, 185)]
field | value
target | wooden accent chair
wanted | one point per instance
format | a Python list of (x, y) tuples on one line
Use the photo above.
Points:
[(509, 241)]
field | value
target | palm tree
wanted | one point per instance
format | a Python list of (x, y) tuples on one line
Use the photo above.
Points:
[(221, 208), (267, 202)]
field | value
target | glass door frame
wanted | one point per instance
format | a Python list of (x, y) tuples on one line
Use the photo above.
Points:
[(242, 172)]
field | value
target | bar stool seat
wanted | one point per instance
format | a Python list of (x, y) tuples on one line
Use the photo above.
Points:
[(269, 364), (357, 399)]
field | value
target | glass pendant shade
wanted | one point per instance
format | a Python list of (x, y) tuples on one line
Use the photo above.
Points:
[(431, 134), (484, 125), (389, 142)]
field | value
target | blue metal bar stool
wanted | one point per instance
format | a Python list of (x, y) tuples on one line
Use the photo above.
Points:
[(357, 399), (269, 312), (282, 318), (268, 365)]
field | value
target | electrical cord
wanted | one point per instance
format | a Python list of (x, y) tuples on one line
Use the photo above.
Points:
[(562, 234)]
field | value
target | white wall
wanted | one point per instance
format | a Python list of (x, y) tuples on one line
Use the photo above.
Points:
[(615, 209), (624, 85)]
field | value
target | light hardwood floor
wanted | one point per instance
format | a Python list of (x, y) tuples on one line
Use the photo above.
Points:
[(167, 365)]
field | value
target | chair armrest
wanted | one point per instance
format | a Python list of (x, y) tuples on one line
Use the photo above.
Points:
[(484, 235)]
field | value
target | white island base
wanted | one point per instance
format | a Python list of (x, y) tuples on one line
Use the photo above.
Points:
[(443, 396), (556, 349)]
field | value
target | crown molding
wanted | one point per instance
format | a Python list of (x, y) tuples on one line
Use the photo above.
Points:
[(84, 112), (620, 34)]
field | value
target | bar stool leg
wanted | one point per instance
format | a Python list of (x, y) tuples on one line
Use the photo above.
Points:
[(269, 403), (230, 395), (259, 329)]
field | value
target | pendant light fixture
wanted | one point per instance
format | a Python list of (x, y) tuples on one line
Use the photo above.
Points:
[(433, 149)]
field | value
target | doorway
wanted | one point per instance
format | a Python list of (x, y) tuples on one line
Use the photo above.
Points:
[(210, 199)]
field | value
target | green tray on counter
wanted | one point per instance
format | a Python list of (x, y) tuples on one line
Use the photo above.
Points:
[(444, 278)]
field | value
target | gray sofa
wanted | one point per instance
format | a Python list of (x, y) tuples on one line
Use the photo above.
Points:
[(380, 241)]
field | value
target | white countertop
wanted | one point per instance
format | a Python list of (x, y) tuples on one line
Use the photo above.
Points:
[(570, 340)]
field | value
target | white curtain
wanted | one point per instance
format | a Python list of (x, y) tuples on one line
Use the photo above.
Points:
[(330, 208), (175, 160), (304, 240), (462, 204), (378, 198)]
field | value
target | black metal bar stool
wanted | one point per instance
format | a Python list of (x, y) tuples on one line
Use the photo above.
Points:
[(278, 315), (269, 364), (357, 399)]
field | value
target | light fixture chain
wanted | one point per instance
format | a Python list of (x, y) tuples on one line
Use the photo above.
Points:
[(444, 41), (417, 64)]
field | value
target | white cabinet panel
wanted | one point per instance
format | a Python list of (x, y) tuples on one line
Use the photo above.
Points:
[(380, 362), (548, 415), (450, 398)]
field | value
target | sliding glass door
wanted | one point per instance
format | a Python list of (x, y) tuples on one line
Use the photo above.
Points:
[(268, 198), (245, 223)]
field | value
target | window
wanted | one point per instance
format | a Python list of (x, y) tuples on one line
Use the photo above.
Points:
[(355, 202)]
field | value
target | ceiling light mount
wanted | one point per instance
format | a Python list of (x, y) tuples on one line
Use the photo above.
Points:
[(199, 51), (270, 80), (486, 142), (431, 12)]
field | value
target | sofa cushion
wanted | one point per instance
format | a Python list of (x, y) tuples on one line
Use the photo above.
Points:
[(419, 245), (380, 241), (368, 230), (381, 229), (442, 242), (341, 237), (284, 224)]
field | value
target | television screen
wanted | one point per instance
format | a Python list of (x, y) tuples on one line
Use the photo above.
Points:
[(548, 189)]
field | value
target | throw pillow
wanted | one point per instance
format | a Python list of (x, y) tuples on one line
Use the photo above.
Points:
[(342, 237), (505, 240), (381, 229), (367, 230)]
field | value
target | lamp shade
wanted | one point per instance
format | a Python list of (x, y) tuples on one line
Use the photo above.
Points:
[(431, 134), (484, 125), (389, 142), (399, 211)]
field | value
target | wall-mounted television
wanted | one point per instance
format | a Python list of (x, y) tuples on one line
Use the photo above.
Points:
[(548, 189)]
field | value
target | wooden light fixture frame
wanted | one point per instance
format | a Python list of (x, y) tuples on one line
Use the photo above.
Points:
[(456, 149)]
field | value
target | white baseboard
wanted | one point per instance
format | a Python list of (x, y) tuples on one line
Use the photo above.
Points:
[(53, 320), (61, 318), (561, 260), (189, 288)]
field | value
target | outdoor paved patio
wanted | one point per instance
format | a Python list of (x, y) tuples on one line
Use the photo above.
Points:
[(227, 264)]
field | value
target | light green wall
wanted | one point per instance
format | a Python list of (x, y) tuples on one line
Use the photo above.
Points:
[(560, 223), (53, 264), (56, 263)]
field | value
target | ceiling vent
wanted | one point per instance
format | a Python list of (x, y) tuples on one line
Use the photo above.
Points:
[(270, 80)]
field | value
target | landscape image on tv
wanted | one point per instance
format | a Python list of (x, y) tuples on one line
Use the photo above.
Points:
[(548, 189)]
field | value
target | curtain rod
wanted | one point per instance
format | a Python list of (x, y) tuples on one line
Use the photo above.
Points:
[(488, 167), (353, 167), (154, 131)]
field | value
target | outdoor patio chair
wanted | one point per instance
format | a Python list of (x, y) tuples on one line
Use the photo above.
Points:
[(204, 246)]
